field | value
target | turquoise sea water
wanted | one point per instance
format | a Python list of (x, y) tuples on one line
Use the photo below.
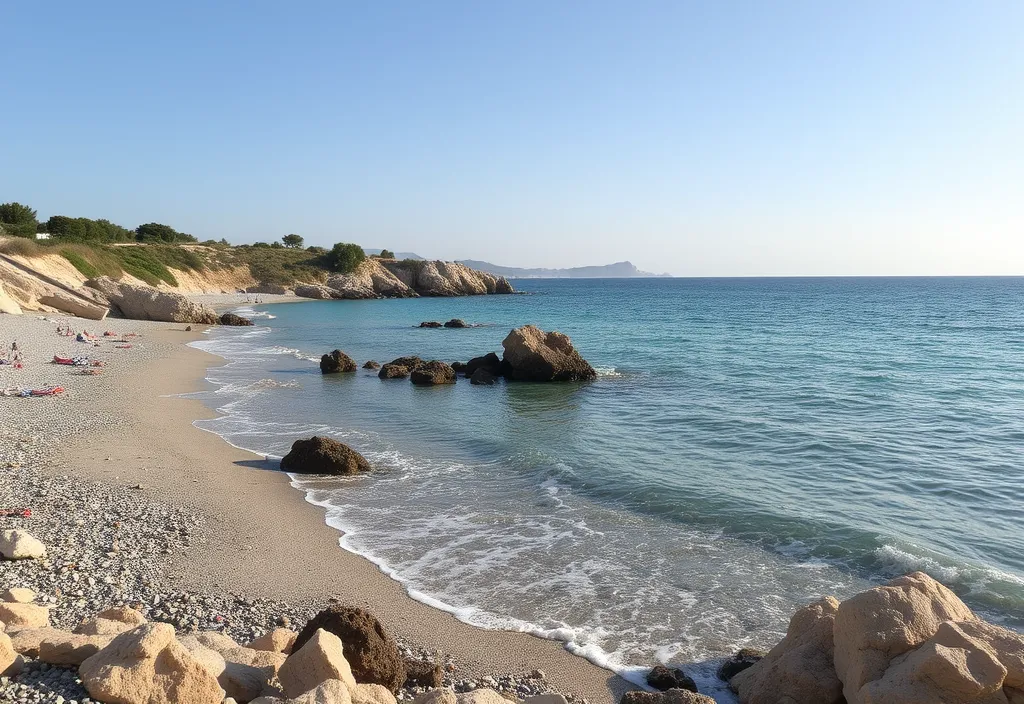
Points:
[(749, 445)]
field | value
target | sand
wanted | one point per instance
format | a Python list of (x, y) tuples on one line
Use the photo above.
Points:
[(263, 539)]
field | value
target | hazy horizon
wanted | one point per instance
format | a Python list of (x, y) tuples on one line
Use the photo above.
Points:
[(732, 139)]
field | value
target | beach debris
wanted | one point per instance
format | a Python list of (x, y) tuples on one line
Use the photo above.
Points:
[(319, 658), (19, 616), (234, 319), (371, 365), (534, 355), (431, 324), (663, 678), (372, 653), (740, 661), (432, 373), (320, 455), (677, 696), (19, 544), (279, 640), (335, 362), (456, 323)]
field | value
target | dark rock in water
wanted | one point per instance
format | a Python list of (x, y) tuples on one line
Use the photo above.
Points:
[(323, 456), (664, 678), (337, 361), (232, 319), (739, 662), (399, 368), (456, 323), (370, 651), (671, 696), (371, 365), (489, 361), (421, 673), (432, 374), (482, 377), (188, 328), (459, 367), (534, 355), (431, 324)]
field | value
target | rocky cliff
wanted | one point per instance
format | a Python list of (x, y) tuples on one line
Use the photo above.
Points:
[(389, 278)]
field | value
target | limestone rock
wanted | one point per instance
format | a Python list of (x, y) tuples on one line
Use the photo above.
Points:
[(243, 672), (234, 319), (211, 660), (433, 374), (480, 696), (111, 622), (1006, 645), (146, 665), (214, 640), (279, 640), (320, 455), (316, 659), (9, 658), (372, 694), (316, 291), (371, 652), (336, 362), (799, 668), (268, 288), (548, 698), (27, 640), (18, 595), (444, 695), (329, 692), (534, 355), (19, 544), (664, 678), (422, 673), (141, 302), (677, 696), (24, 615), (877, 625), (63, 648)]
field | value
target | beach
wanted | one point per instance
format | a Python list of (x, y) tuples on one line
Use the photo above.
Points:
[(138, 506)]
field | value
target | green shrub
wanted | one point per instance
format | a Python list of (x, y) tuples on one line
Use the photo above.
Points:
[(344, 257), (79, 262)]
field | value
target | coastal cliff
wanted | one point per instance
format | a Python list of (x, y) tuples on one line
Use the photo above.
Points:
[(390, 278)]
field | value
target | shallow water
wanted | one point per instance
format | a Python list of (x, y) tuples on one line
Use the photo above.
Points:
[(749, 446)]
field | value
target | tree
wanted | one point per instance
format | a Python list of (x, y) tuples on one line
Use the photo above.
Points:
[(387, 254), (345, 257), (18, 220), (155, 232), (293, 241), (64, 228)]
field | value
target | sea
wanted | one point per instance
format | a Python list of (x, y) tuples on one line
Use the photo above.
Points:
[(749, 446)]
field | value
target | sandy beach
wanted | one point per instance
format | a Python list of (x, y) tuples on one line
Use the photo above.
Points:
[(230, 531)]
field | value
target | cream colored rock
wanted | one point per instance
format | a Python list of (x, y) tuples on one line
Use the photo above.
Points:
[(147, 665), (480, 696), (18, 595), (799, 668), (19, 544), (211, 660), (7, 304), (8, 656), (279, 640), (245, 672), (320, 659), (63, 648), (24, 616), (142, 302), (549, 698), (877, 625), (329, 692), (229, 700), (111, 622), (27, 640), (372, 694), (441, 695), (214, 640), (673, 696), (1008, 647)]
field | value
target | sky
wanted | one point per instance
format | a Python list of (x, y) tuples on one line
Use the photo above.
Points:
[(701, 139)]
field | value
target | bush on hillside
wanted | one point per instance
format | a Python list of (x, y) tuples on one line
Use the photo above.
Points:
[(18, 220), (344, 257)]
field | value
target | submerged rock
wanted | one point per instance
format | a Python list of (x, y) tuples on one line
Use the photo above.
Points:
[(336, 362), (490, 361), (433, 374), (744, 658), (664, 678), (482, 377), (371, 652), (319, 455), (456, 323), (534, 355), (232, 319)]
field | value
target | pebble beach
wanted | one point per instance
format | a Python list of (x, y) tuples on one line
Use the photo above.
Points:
[(139, 508)]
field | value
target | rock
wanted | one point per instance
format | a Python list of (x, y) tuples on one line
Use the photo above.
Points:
[(480, 696), (232, 319), (18, 595), (371, 365), (336, 362), (214, 640), (24, 616), (433, 374), (320, 455), (372, 694), (489, 362), (799, 668), (877, 625), (63, 648), (146, 665), (111, 622), (1007, 645), (445, 695), (188, 328), (393, 371), (549, 698), (329, 692), (533, 355), (317, 658), (279, 640), (7, 303), (431, 324), (680, 696), (422, 673), (244, 673), (437, 278), (482, 377), (459, 367), (211, 660), (372, 653), (141, 302), (744, 658), (456, 323), (19, 544), (9, 658), (263, 287), (663, 678), (316, 291), (27, 640)]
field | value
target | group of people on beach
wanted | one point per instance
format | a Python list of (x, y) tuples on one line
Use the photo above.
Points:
[(13, 358)]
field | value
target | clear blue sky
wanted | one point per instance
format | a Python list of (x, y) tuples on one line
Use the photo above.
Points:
[(720, 138)]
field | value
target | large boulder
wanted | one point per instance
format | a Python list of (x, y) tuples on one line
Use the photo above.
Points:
[(431, 324), (663, 678), (111, 622), (316, 291), (234, 319), (799, 668), (370, 364), (320, 455), (432, 374), (63, 648), (17, 616), (740, 661), (279, 640), (534, 355), (11, 661), (141, 302), (876, 626), (27, 640), (315, 660), (19, 544), (675, 696), (146, 665), (242, 672), (336, 362), (456, 323), (482, 377), (371, 652), (399, 368), (489, 362)]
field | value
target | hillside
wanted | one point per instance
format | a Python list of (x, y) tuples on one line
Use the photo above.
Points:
[(619, 270)]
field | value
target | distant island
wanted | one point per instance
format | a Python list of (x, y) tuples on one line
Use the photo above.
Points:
[(618, 270)]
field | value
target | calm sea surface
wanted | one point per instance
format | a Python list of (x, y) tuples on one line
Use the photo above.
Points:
[(749, 445)]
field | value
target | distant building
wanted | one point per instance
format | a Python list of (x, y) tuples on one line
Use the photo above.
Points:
[(42, 235)]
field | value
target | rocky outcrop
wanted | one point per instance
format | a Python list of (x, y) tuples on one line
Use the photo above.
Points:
[(384, 278), (664, 678), (35, 285), (336, 362), (490, 361), (141, 302), (399, 368), (8, 304), (274, 289), (534, 355), (371, 652), (19, 544), (432, 374), (319, 455), (233, 319), (315, 291), (740, 661)]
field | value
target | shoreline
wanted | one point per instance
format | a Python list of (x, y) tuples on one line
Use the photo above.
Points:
[(263, 540)]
